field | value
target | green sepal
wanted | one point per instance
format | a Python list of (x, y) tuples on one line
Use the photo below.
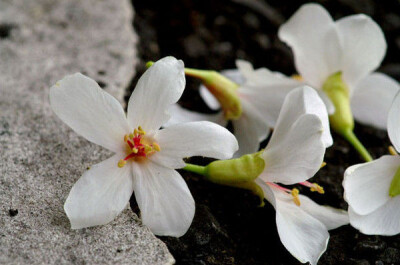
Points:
[(223, 89), (239, 173), (244, 169), (338, 92), (394, 189)]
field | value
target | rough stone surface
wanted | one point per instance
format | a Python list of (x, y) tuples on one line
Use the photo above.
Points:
[(40, 42)]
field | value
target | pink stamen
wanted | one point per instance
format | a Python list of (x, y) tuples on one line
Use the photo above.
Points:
[(131, 145), (137, 139), (279, 187), (130, 156), (307, 184)]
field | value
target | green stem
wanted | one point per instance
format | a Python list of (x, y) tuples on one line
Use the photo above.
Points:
[(196, 169), (196, 73), (353, 140)]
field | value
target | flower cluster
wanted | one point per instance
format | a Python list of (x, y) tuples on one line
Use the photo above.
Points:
[(335, 81)]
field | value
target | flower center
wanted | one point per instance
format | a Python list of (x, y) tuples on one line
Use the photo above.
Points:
[(295, 192), (138, 146)]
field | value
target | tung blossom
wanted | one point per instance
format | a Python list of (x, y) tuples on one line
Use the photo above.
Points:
[(337, 58), (145, 157), (293, 155), (354, 46), (261, 94), (372, 189)]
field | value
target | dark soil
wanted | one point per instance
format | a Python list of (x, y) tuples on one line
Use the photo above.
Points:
[(228, 227)]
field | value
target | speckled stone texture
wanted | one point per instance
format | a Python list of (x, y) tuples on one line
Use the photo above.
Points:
[(41, 158)]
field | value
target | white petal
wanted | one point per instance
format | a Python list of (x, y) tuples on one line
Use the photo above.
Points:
[(366, 185), (298, 156), (296, 149), (331, 217), (307, 100), (200, 138), (327, 101), (384, 221), (394, 122), (209, 98), (363, 47), (265, 90), (246, 70), (100, 194), (165, 202), (250, 130), (181, 115), (158, 88), (267, 94), (304, 236), (235, 75), (89, 111), (372, 98), (264, 77), (312, 35)]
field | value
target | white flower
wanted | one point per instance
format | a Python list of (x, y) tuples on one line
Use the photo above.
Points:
[(261, 94), (367, 186), (354, 45), (293, 155), (145, 157)]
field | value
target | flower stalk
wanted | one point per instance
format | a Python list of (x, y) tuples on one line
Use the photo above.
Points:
[(342, 120), (200, 170), (358, 146)]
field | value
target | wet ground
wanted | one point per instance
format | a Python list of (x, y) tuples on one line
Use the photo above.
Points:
[(228, 227)]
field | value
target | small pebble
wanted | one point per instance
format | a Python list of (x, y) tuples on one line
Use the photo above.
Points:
[(13, 212)]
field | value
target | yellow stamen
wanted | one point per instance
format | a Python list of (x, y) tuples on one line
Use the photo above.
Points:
[(317, 188), (323, 164), (141, 131), (147, 148), (135, 150), (131, 135), (295, 194), (135, 132), (392, 151), (121, 163), (297, 77), (156, 147), (126, 138)]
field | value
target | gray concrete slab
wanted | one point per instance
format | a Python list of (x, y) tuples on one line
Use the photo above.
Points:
[(40, 157)]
